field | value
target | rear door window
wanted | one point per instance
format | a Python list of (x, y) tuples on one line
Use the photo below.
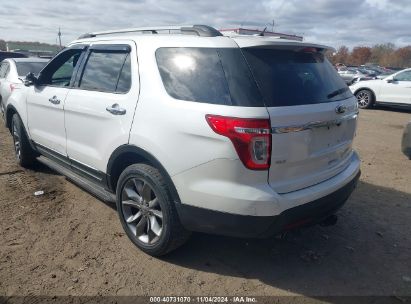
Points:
[(208, 75), (107, 72), (290, 78), (23, 68)]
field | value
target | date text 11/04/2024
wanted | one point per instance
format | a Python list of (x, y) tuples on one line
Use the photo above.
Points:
[(203, 299)]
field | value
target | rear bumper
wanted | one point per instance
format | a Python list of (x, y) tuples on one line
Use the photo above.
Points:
[(215, 222)]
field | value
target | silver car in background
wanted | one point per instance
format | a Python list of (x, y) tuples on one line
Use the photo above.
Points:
[(12, 74), (351, 75)]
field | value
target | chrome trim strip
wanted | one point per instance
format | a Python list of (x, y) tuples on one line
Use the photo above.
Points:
[(313, 124)]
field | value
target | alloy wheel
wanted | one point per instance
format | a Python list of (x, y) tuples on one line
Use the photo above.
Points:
[(142, 211), (363, 99), (17, 141)]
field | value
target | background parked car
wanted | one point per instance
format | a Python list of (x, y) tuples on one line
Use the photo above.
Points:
[(406, 141), (12, 74), (4, 55), (352, 75), (349, 74), (392, 90)]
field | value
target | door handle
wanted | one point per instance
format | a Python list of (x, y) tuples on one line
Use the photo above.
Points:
[(54, 100), (116, 110)]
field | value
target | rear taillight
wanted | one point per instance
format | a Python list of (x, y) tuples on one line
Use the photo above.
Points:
[(251, 138)]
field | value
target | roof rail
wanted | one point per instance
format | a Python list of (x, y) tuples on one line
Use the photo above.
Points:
[(197, 29)]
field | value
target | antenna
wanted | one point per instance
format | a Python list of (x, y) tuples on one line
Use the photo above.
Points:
[(59, 35)]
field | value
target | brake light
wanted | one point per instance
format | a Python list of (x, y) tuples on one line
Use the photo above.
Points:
[(12, 87), (309, 50), (251, 138)]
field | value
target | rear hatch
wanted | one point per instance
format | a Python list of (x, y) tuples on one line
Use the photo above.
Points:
[(312, 113)]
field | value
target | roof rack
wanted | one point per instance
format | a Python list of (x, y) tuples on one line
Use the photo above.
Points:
[(197, 29)]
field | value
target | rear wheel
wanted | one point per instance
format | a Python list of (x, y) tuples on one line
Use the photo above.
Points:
[(147, 212), (365, 99), (24, 153)]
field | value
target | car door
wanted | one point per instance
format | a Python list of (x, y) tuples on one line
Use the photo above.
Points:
[(99, 109), (397, 89), (45, 102)]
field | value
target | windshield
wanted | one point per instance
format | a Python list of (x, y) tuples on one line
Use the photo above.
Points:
[(23, 68), (290, 78)]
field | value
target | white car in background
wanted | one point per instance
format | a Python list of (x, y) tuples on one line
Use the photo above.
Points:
[(393, 90), (12, 74)]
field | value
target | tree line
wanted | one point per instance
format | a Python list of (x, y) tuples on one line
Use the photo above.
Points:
[(26, 45), (386, 55)]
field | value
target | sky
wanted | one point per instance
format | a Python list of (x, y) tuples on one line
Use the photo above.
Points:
[(332, 22)]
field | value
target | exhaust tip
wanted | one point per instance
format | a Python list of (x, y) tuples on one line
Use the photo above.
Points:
[(329, 221)]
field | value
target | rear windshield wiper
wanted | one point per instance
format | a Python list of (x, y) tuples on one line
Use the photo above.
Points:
[(337, 92)]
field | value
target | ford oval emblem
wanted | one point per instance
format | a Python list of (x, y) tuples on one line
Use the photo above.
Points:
[(340, 109)]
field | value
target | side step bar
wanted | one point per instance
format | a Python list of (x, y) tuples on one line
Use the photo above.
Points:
[(82, 182)]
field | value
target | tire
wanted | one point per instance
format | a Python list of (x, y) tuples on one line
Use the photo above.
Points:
[(3, 111), (147, 212), (24, 153), (365, 99)]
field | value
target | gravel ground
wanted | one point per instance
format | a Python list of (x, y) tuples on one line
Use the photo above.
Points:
[(66, 242)]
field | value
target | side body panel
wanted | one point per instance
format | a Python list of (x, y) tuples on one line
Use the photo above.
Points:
[(92, 132)]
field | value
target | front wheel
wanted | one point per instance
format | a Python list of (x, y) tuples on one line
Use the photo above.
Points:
[(24, 153), (365, 99), (147, 212)]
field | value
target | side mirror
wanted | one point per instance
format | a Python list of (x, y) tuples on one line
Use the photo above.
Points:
[(390, 80), (30, 79)]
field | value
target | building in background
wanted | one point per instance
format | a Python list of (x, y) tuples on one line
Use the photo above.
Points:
[(244, 31)]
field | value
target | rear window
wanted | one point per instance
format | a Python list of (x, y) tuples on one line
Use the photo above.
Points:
[(23, 68), (208, 75), (290, 78)]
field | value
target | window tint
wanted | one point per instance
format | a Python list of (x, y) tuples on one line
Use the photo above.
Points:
[(289, 78), (23, 68), (63, 74), (124, 82), (208, 75), (103, 72), (404, 76), (59, 70)]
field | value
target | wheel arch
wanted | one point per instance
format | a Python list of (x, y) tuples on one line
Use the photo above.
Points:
[(127, 155), (10, 111)]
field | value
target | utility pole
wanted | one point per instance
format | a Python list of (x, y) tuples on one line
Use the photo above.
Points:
[(272, 28), (59, 34)]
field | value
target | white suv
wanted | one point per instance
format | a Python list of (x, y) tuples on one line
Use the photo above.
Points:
[(189, 130)]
